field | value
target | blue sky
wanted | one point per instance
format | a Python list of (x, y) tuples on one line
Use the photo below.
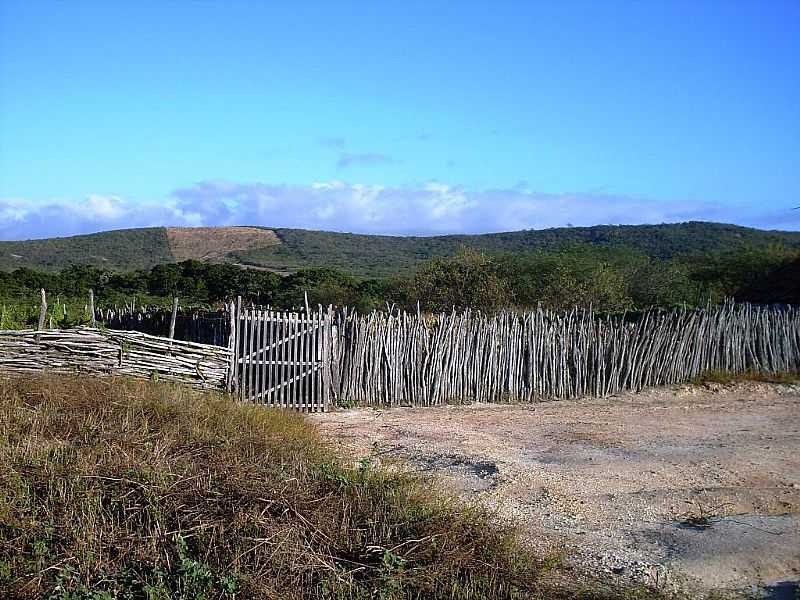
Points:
[(390, 117)]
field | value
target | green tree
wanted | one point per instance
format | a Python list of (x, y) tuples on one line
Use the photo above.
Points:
[(470, 279)]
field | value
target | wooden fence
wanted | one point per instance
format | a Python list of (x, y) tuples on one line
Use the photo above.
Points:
[(98, 351), (403, 359), (201, 326), (306, 361)]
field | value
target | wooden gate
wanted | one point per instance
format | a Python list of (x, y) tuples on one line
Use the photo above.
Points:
[(280, 359)]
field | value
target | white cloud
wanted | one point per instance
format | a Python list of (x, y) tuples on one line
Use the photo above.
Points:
[(105, 207), (433, 208), (21, 219)]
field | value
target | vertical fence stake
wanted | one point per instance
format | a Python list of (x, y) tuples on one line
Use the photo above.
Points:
[(91, 308), (173, 318), (232, 345), (42, 310), (237, 366)]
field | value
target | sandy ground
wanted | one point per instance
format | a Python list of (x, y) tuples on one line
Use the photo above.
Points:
[(688, 487)]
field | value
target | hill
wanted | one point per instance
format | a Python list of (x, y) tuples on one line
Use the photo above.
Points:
[(123, 249), (285, 250)]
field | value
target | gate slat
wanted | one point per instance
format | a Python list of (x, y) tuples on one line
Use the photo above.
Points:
[(271, 368), (253, 359), (276, 354), (293, 360), (287, 369), (298, 369), (281, 348), (246, 355), (250, 324), (243, 371), (301, 387), (258, 367), (312, 355), (253, 366), (318, 376), (264, 366)]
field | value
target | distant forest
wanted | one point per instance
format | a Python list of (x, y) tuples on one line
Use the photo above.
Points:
[(611, 279)]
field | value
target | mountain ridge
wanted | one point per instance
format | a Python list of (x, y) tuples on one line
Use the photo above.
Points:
[(286, 250)]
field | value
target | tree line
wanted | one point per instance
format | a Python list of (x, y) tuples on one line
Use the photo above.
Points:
[(609, 279)]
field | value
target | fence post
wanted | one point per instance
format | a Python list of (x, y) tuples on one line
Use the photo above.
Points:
[(91, 308), (231, 345), (173, 318), (237, 319), (42, 310)]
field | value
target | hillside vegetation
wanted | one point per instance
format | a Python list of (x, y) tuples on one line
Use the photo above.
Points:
[(285, 250), (610, 280), (780, 285), (375, 255), (122, 249), (113, 488)]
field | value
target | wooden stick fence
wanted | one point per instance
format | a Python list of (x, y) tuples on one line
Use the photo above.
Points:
[(99, 351), (205, 327), (399, 358), (403, 359)]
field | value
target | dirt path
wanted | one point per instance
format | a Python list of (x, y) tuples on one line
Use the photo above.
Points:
[(684, 487)]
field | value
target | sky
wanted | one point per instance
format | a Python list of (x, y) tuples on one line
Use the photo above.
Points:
[(397, 117)]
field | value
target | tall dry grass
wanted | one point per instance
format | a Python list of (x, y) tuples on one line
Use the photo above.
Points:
[(115, 488)]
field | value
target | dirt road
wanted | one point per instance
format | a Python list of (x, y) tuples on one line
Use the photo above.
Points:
[(694, 487)]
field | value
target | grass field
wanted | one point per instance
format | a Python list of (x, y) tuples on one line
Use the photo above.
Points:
[(113, 488)]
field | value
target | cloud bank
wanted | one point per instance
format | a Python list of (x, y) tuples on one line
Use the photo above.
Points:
[(430, 209)]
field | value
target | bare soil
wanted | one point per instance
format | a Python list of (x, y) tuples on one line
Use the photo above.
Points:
[(214, 243), (691, 487)]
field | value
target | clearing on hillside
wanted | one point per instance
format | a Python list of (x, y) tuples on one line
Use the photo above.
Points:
[(215, 243)]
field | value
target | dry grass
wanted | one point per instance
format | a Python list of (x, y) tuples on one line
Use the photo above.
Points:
[(727, 377), (115, 488)]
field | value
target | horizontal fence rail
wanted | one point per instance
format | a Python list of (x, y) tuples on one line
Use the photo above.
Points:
[(403, 359), (107, 352)]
